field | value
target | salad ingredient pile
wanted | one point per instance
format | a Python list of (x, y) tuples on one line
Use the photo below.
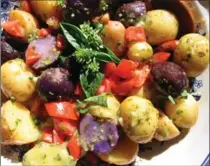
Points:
[(96, 79)]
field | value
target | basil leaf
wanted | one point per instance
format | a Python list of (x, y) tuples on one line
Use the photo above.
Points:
[(73, 34), (90, 86), (113, 57), (99, 100)]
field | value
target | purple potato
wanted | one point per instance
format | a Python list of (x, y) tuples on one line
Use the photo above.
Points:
[(46, 48), (54, 84), (98, 137), (8, 53), (130, 13), (170, 78)]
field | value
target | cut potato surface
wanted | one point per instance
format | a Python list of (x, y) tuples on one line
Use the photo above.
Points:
[(17, 124)]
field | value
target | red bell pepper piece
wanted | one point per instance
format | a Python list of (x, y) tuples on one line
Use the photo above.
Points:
[(74, 147), (160, 57), (110, 68), (135, 33), (47, 135)]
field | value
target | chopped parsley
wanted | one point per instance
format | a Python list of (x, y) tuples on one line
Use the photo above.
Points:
[(179, 112), (184, 94)]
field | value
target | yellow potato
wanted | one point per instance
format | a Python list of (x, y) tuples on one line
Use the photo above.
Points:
[(26, 20), (192, 54), (166, 129), (184, 113), (17, 125), (140, 52), (112, 110), (17, 80), (160, 26), (45, 154), (139, 119), (124, 153), (114, 37), (46, 9)]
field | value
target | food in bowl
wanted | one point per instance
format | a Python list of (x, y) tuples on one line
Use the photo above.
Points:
[(89, 81)]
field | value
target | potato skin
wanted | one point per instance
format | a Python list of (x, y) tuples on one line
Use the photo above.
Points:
[(113, 37), (140, 52), (112, 112), (17, 125), (160, 26), (16, 80), (184, 113), (26, 20), (166, 129), (192, 54), (45, 9), (124, 153), (139, 119)]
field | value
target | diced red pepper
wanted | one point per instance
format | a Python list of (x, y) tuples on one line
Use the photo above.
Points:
[(14, 28), (78, 91), (160, 57), (65, 126), (104, 87), (67, 110), (169, 46), (60, 42), (110, 68), (126, 69), (124, 87), (47, 135), (25, 6), (74, 147), (57, 137), (31, 56), (43, 32), (141, 76), (135, 33)]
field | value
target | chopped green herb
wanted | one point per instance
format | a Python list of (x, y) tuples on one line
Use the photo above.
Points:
[(33, 36), (83, 111), (60, 3), (57, 157), (184, 94), (12, 99), (179, 112), (171, 99)]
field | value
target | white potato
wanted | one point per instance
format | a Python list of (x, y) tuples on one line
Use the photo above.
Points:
[(192, 54), (139, 119), (166, 129), (17, 80), (160, 26), (140, 52), (112, 110), (17, 125), (26, 20), (184, 113), (124, 153), (48, 154)]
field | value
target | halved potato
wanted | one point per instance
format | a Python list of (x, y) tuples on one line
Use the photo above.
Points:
[(48, 154), (17, 125), (26, 20), (166, 129), (124, 153), (112, 112)]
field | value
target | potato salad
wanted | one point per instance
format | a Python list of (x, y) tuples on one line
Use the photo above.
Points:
[(92, 80)]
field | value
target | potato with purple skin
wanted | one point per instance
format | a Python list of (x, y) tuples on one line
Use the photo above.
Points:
[(170, 78), (54, 84)]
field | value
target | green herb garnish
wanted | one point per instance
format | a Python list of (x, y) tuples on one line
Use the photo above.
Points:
[(184, 94), (60, 3), (171, 99), (33, 36), (179, 112)]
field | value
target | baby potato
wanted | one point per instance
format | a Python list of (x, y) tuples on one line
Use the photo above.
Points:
[(113, 37), (26, 20), (46, 9), (45, 154), (146, 91), (111, 112), (192, 54), (17, 80), (184, 113), (124, 152), (17, 125), (139, 119), (166, 129), (160, 26), (140, 52)]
